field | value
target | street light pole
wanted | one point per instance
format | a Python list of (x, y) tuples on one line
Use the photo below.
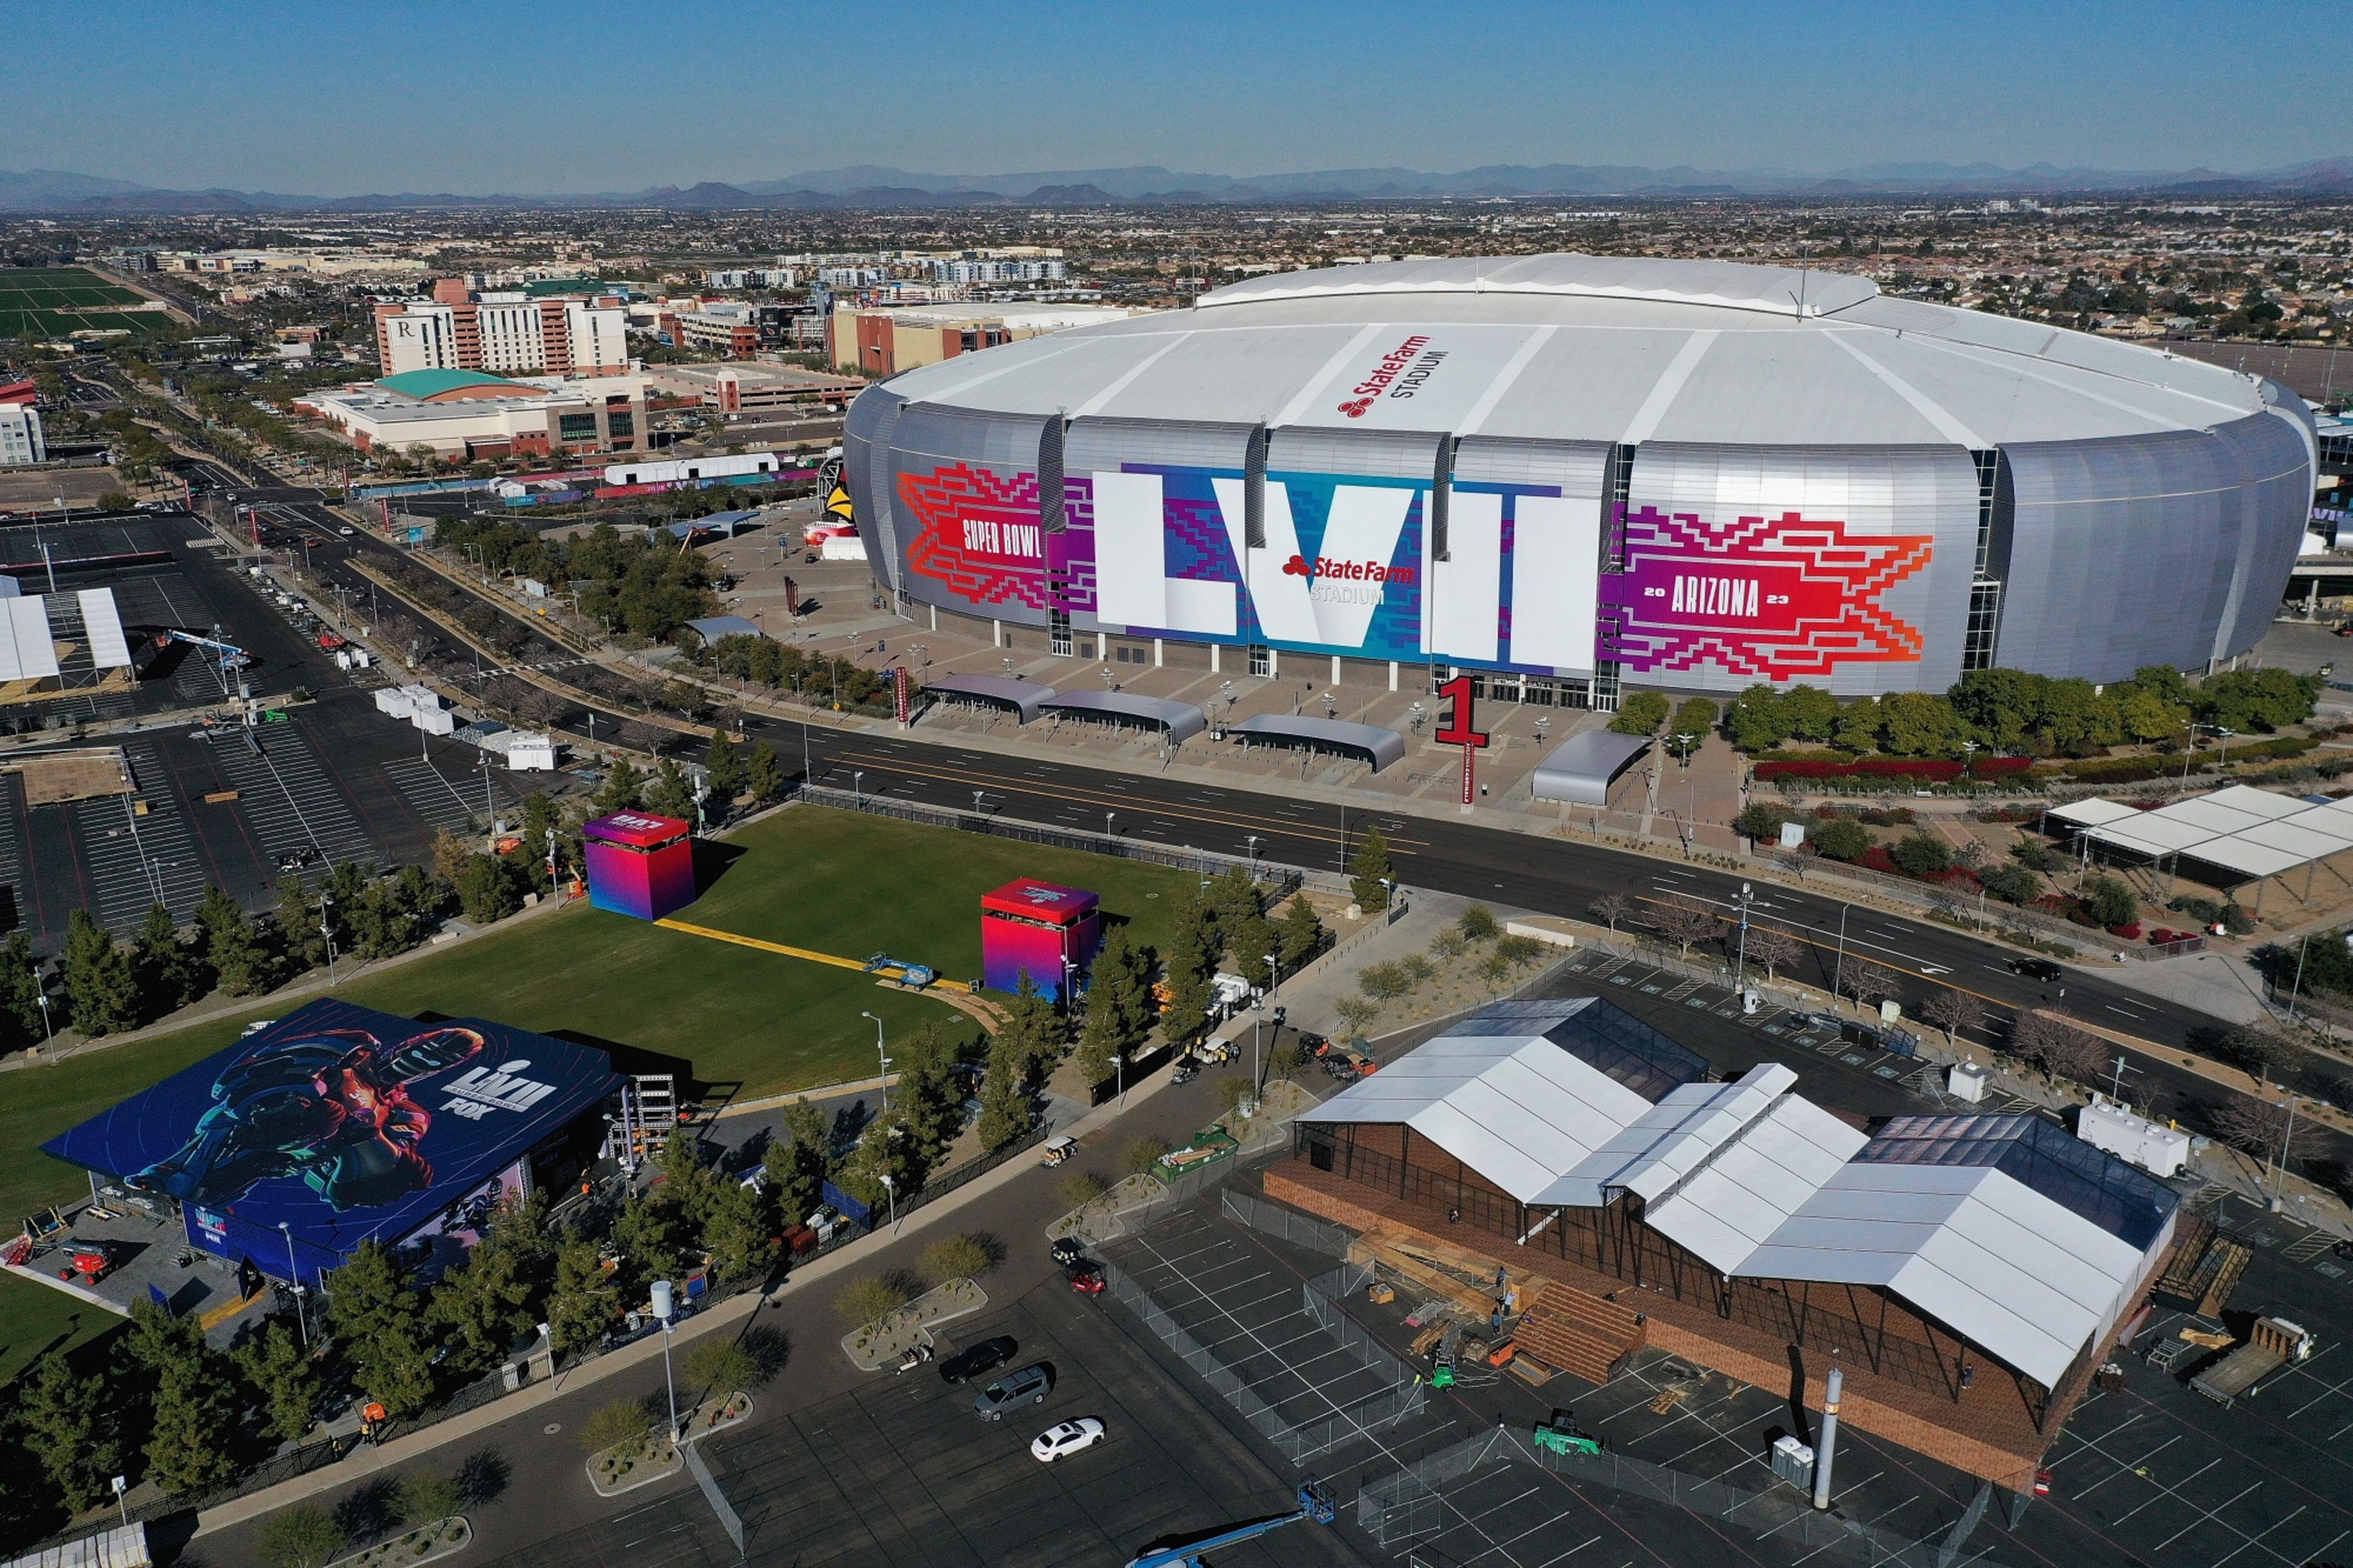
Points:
[(1740, 969), (294, 1280), (890, 1191), (1839, 971), (665, 1307), (883, 1061)]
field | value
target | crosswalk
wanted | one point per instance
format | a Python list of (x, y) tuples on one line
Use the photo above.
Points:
[(289, 801)]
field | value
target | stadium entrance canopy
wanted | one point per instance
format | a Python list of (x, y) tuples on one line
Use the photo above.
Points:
[(1375, 745), (338, 1125), (1020, 698), (1581, 769), (2237, 835), (1182, 721)]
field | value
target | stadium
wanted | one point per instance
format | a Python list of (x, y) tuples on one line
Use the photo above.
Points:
[(1563, 471)]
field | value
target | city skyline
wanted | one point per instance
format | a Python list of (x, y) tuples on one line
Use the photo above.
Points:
[(539, 101)]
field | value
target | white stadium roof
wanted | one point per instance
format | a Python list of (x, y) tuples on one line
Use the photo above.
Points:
[(1567, 347), (2007, 1230)]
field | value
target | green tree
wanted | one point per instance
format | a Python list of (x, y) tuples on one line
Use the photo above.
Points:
[(2013, 884), (2252, 699), (724, 761), (285, 1379), (1756, 722), (1005, 1107), (1119, 1006), (191, 1417), (495, 1295), (743, 1234), (884, 1149), (1842, 839), (20, 992), (688, 1181), (803, 1165), (303, 943), (2147, 718), (302, 1536), (1192, 960), (646, 1235), (582, 1305), (1639, 713), (625, 788), (1809, 712), (1922, 855), (100, 987), (382, 924), (239, 959), (762, 774), (672, 793), (1859, 726), (68, 1424), (166, 973), (1919, 724), (488, 888), (1759, 823), (720, 1367), (1249, 943), (2110, 902), (1696, 717), (1368, 869), (1302, 935), (377, 1322)]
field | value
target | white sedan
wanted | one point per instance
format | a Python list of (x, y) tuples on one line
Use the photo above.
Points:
[(1070, 1438)]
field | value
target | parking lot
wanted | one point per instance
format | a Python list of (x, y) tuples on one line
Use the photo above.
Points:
[(335, 780), (900, 1471)]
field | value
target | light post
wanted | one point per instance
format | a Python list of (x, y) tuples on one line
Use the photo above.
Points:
[(857, 785), (294, 1280), (665, 1307), (121, 1484), (975, 802), (41, 995), (1684, 741), (883, 1061), (1740, 969), (1839, 971), (890, 1191), (1107, 821)]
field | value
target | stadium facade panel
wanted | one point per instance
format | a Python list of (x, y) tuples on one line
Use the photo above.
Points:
[(1686, 474)]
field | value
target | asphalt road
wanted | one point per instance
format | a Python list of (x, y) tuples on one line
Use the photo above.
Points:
[(1464, 856)]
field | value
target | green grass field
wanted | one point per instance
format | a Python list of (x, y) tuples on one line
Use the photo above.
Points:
[(830, 881), (52, 286), (34, 1318)]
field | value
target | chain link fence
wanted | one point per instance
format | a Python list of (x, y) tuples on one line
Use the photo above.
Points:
[(1286, 879), (1412, 1502), (1318, 1235)]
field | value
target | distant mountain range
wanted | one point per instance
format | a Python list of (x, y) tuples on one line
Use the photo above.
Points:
[(868, 185)]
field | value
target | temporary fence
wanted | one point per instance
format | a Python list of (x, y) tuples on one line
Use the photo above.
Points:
[(1316, 1235), (1412, 1502), (1298, 1443), (1286, 879)]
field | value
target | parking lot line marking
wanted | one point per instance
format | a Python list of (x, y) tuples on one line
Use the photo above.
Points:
[(2210, 1513), (2165, 1492), (1564, 1556), (2253, 1539)]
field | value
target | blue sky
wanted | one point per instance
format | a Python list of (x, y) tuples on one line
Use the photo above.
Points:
[(362, 97)]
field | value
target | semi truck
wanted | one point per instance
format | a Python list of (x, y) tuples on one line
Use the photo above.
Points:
[(2271, 1345)]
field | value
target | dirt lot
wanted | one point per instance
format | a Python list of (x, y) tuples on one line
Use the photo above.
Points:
[(41, 487)]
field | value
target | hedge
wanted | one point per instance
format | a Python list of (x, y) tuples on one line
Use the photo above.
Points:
[(1943, 770)]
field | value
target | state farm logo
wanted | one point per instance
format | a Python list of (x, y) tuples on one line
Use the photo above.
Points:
[(1400, 374), (1334, 582)]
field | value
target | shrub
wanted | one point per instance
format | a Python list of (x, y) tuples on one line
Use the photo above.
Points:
[(1448, 945), (2013, 884), (1079, 1188), (869, 1296), (1516, 952), (301, 1537), (2110, 902), (722, 1367), (1139, 1154), (1355, 1013), (1232, 1090), (619, 1422), (1417, 970), (954, 1257), (1842, 840), (1384, 981), (1921, 855), (1477, 924)]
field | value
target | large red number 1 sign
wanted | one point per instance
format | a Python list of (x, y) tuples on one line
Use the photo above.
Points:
[(1457, 730)]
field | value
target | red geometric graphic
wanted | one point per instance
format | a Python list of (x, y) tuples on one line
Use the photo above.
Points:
[(1780, 598), (978, 533)]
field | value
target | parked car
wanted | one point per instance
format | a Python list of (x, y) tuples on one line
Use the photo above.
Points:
[(1028, 1386), (1186, 1070), (1070, 1438), (1085, 1278), (1066, 1250), (973, 1359)]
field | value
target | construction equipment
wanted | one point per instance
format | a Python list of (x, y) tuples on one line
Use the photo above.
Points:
[(913, 976), (1315, 1502), (2272, 1343), (1562, 1436)]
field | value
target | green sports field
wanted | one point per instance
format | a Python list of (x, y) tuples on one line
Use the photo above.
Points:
[(831, 881), (51, 301)]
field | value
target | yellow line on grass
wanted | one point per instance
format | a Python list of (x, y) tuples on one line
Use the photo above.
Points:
[(766, 946)]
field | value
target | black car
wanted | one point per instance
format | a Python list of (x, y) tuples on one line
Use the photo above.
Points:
[(974, 1359), (1067, 1251), (2037, 969)]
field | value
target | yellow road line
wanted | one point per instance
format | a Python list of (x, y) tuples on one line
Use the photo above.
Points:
[(766, 946)]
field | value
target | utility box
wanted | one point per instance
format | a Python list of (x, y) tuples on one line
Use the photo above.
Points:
[(1793, 1462), (1965, 1080), (1793, 835)]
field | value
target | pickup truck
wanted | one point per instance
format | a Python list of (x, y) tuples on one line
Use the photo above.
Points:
[(2272, 1343)]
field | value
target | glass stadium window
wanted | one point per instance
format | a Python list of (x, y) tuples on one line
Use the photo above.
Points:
[(1058, 633), (1262, 661)]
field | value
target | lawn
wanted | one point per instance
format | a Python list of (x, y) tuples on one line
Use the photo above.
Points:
[(54, 285), (34, 1319), (831, 881)]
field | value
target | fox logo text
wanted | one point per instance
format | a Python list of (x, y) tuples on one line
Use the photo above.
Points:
[(478, 1091)]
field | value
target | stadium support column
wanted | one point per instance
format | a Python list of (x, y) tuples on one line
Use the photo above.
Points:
[(1828, 1447)]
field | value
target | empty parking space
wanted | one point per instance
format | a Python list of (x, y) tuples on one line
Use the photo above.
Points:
[(136, 859), (293, 807)]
